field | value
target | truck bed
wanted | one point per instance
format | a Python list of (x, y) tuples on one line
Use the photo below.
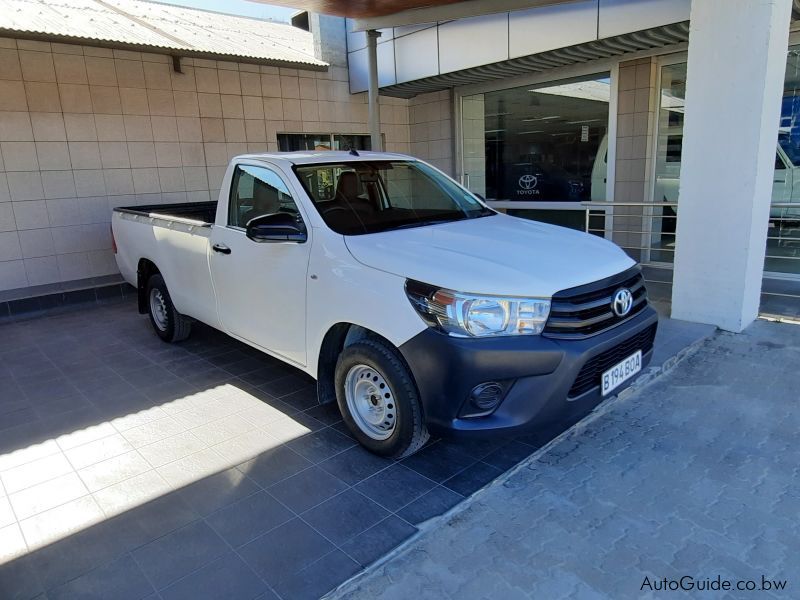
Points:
[(202, 212)]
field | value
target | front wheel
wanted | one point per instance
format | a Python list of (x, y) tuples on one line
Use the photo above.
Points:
[(378, 399), (170, 325)]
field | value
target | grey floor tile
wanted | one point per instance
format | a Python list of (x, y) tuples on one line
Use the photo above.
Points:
[(307, 489), (163, 515), (508, 455), (177, 554), (395, 487), (274, 465), (227, 577), (218, 490), (121, 579), (355, 465), (245, 520), (438, 461), (432, 504), (378, 540), (473, 478), (285, 550), (18, 580), (319, 578), (319, 445), (345, 516)]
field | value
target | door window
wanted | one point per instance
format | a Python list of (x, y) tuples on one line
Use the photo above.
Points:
[(255, 192)]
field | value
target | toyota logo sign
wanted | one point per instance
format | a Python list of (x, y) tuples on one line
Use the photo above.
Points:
[(623, 302), (527, 182)]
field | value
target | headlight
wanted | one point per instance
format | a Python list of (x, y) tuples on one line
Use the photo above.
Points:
[(472, 315)]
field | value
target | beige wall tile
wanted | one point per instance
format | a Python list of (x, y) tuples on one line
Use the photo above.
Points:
[(195, 178), (89, 182), (255, 130), (7, 222), (12, 275), (114, 155), (168, 154), (70, 68), (171, 179), (36, 243), (229, 82), (270, 85), (31, 214), (186, 104), (232, 106), (234, 130), (165, 129), (101, 71), (9, 64), (210, 105), (84, 155), (58, 184), (213, 130), (48, 127), (73, 266), (19, 156), (250, 84), (216, 154), (102, 262), (291, 110), (308, 88), (145, 181), (105, 99), (189, 129), (15, 126), (63, 211), (110, 128), (192, 154), (41, 271), (37, 66), (206, 80), (161, 102), (309, 110), (156, 76), (53, 156), (118, 181), (253, 107), (42, 97), (138, 128), (74, 97), (80, 127), (273, 109), (142, 154), (130, 73), (12, 95), (183, 81), (134, 101), (9, 246), (290, 87)]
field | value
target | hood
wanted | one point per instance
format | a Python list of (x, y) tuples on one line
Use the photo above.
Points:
[(497, 255)]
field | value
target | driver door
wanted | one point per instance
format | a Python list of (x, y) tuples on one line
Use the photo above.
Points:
[(260, 287)]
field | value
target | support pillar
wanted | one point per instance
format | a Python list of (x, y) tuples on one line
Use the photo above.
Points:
[(734, 83), (374, 107)]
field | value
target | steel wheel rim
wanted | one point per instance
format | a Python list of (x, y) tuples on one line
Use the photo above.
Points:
[(158, 308), (371, 402)]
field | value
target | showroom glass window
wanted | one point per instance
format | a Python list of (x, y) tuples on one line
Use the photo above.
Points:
[(289, 142), (537, 143), (783, 243)]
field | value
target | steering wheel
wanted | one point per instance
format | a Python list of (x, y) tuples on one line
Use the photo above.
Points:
[(331, 209)]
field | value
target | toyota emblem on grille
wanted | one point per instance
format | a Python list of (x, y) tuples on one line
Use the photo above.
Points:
[(623, 302)]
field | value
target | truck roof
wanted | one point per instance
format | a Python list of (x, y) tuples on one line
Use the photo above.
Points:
[(310, 157)]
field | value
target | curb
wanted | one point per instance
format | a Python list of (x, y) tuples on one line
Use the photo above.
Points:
[(428, 527)]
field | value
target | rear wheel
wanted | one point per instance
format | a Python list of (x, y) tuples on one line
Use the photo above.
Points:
[(378, 399), (169, 324)]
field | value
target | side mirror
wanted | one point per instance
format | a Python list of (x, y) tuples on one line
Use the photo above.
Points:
[(277, 227)]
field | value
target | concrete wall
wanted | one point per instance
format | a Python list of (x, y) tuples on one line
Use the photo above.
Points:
[(85, 129), (431, 118)]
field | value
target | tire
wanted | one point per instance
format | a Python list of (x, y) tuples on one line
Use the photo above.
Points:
[(170, 325), (361, 368)]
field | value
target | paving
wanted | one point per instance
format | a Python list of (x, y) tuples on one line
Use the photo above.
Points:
[(694, 475), (130, 468)]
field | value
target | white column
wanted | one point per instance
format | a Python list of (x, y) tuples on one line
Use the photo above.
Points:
[(374, 107), (737, 58)]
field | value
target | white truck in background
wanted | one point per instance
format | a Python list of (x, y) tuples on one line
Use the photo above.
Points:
[(416, 307)]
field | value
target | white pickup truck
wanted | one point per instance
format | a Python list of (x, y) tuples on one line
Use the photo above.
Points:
[(415, 306)]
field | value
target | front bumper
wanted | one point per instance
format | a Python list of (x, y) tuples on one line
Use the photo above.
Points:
[(537, 374)]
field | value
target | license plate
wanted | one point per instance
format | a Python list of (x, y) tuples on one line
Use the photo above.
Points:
[(621, 372)]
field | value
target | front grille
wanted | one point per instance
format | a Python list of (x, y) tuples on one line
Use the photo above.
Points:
[(586, 310), (589, 376)]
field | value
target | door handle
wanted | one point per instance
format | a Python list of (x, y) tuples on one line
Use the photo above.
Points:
[(221, 248)]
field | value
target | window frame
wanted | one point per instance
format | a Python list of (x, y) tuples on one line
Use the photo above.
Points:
[(291, 192)]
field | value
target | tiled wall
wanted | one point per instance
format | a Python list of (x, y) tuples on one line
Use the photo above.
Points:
[(635, 130), (84, 129), (431, 118)]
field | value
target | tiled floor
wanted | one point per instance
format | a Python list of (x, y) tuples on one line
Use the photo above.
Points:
[(129, 467)]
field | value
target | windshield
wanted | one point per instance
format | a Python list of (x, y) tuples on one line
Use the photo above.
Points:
[(358, 197)]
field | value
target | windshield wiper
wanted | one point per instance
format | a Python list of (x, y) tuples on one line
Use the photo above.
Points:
[(423, 223)]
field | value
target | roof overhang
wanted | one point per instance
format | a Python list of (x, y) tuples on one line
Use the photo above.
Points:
[(380, 14)]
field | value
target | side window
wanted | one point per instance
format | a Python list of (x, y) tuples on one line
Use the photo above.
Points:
[(257, 191)]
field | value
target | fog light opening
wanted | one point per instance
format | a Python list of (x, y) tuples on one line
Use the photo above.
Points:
[(486, 396)]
